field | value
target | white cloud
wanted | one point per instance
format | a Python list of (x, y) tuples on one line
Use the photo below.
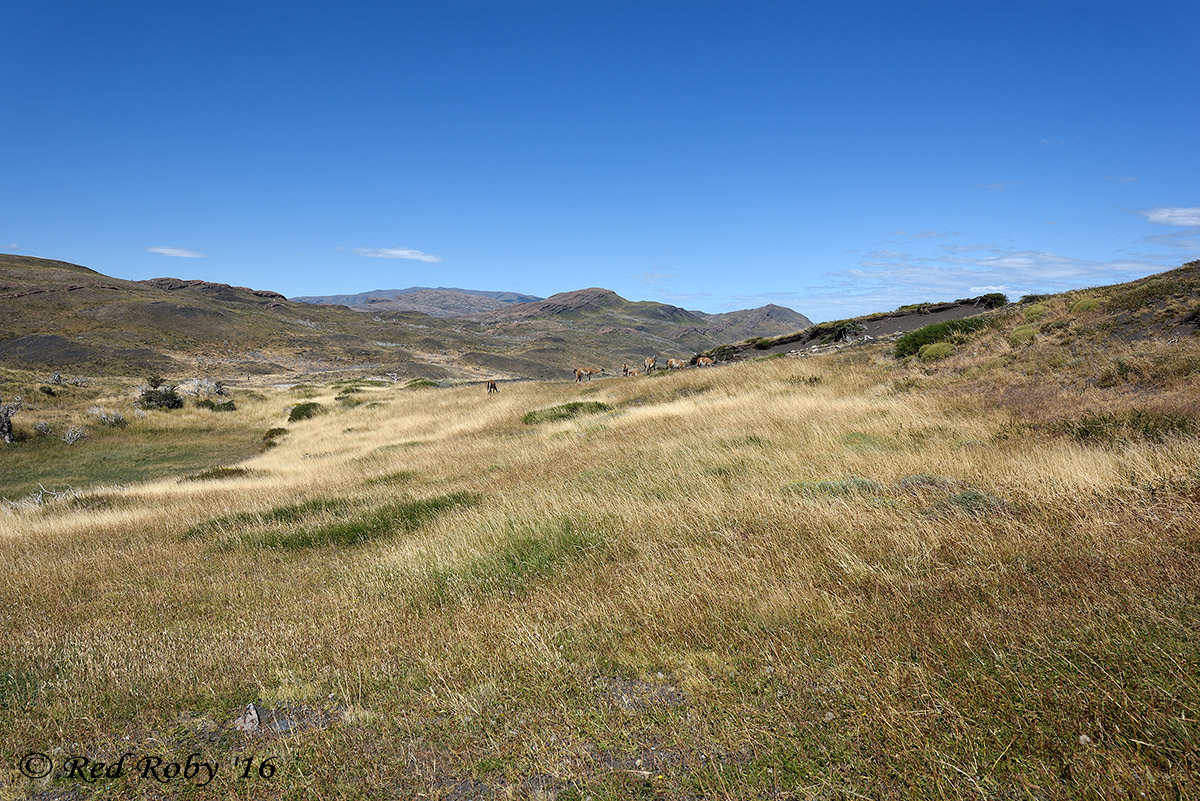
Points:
[(1121, 179), (655, 278), (180, 253), (397, 253), (983, 290), (1187, 216), (967, 248), (12, 246), (999, 186)]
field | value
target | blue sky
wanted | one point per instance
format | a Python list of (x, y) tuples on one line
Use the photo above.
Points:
[(839, 159)]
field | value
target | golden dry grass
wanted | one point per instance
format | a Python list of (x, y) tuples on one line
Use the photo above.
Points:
[(737, 584)]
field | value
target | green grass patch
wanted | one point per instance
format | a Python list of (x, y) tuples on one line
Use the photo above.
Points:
[(861, 441), (392, 479), (565, 411), (217, 473), (1085, 305), (392, 518), (910, 344), (304, 411), (122, 456), (529, 555), (853, 485), (421, 383)]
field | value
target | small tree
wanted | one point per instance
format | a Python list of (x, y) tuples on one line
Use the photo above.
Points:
[(7, 410), (159, 395)]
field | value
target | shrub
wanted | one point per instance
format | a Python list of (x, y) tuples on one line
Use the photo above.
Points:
[(273, 433), (1057, 325), (111, 419), (910, 344), (74, 434), (1193, 316), (1035, 310), (159, 395), (993, 300), (304, 411), (1022, 335), (1085, 305), (564, 412), (935, 351), (1033, 298), (47, 391), (215, 406)]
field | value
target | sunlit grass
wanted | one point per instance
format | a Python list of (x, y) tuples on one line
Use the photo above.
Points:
[(724, 583)]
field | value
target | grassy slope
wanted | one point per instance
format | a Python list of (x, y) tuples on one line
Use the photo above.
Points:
[(744, 582)]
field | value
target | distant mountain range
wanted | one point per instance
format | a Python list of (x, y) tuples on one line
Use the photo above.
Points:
[(60, 316), (435, 301)]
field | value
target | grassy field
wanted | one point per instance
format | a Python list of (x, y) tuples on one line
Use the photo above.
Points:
[(842, 577)]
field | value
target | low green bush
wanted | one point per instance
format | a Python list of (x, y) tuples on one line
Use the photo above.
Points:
[(215, 406), (910, 344), (1085, 305), (1022, 335), (935, 351), (1035, 311), (304, 411)]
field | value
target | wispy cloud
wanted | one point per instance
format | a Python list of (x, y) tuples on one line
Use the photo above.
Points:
[(925, 234), (889, 281), (1174, 215), (1121, 179), (967, 248), (654, 278), (179, 253), (397, 253), (998, 186)]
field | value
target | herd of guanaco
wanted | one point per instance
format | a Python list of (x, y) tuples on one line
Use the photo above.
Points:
[(648, 366)]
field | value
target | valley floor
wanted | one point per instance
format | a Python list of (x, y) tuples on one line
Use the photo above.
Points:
[(826, 578)]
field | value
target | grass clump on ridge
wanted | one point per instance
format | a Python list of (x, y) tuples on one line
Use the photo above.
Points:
[(304, 411), (910, 344), (935, 351), (564, 411)]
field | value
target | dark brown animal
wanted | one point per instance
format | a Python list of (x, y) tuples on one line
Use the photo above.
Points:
[(492, 387)]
